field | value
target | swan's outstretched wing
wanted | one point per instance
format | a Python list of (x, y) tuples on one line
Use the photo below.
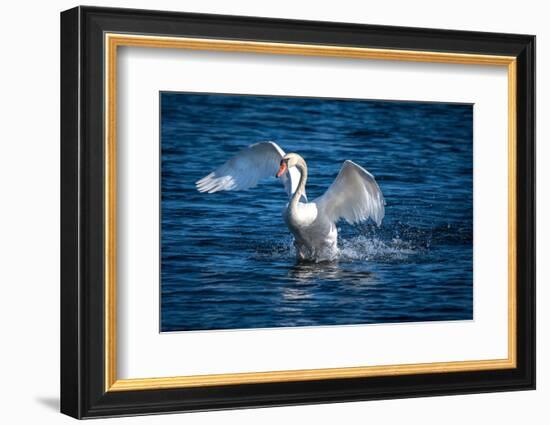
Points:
[(247, 168), (354, 196)]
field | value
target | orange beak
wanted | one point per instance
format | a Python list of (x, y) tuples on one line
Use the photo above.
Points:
[(282, 169)]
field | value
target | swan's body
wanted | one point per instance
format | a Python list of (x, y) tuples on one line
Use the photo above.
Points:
[(315, 237), (354, 196)]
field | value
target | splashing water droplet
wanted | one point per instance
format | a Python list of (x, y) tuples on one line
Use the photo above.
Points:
[(351, 249)]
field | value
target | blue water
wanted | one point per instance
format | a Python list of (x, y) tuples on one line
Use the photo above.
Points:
[(227, 260)]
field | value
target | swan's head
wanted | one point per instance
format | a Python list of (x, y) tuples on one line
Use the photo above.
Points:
[(288, 161)]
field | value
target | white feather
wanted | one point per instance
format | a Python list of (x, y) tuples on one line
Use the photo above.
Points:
[(354, 196), (245, 170)]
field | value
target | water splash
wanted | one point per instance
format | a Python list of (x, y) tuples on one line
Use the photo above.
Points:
[(357, 248), (374, 249)]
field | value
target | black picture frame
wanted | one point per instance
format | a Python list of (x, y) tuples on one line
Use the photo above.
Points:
[(83, 392)]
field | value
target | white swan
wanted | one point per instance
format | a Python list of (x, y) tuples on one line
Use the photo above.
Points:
[(354, 195)]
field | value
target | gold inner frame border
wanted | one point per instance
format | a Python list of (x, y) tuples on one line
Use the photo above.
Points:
[(111, 43)]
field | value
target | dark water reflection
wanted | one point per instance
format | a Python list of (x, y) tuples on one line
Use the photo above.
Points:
[(227, 259)]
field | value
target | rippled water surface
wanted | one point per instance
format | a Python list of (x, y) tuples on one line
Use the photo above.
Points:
[(227, 260)]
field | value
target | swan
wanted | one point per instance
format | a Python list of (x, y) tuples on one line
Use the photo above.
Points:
[(354, 196)]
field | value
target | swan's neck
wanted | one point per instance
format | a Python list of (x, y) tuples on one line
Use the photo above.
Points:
[(302, 168)]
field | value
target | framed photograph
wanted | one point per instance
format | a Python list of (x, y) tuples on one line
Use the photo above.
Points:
[(261, 212)]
